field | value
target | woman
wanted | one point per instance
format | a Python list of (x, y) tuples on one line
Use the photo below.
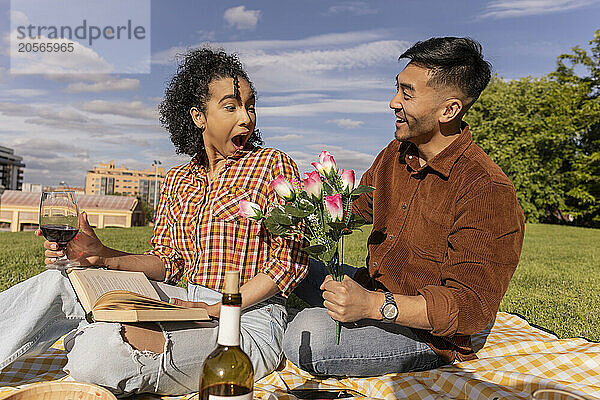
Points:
[(210, 114)]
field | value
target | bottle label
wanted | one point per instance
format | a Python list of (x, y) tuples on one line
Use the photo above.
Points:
[(229, 326), (242, 397)]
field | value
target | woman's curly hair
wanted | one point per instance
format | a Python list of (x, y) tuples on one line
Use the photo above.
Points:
[(189, 88)]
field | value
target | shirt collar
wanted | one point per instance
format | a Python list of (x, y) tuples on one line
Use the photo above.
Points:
[(197, 166), (445, 160)]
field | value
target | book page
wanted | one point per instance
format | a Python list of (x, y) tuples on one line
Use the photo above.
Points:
[(126, 300), (96, 282)]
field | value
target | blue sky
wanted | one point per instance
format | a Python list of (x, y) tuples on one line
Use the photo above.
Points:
[(324, 72)]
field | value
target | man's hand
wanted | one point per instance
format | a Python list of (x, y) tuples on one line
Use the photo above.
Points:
[(347, 301), (213, 310), (85, 248)]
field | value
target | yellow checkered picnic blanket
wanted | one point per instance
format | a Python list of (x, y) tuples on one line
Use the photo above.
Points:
[(514, 359)]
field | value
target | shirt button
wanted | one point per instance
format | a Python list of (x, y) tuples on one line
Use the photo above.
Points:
[(410, 157), (390, 237), (404, 206), (374, 265)]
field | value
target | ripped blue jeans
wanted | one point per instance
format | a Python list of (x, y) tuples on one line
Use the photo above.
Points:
[(98, 354)]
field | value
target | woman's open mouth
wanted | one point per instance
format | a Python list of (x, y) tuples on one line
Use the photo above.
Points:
[(239, 141)]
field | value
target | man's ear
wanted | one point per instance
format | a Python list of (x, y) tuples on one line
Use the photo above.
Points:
[(452, 108), (198, 117)]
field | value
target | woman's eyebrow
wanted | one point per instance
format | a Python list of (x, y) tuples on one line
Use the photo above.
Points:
[(228, 96), (232, 96)]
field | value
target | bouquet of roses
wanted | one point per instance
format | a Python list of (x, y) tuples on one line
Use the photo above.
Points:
[(322, 202)]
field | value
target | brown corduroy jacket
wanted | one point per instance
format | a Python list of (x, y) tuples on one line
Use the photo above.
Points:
[(451, 231)]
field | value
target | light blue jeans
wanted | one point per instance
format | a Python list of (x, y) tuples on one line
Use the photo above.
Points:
[(36, 312), (367, 347)]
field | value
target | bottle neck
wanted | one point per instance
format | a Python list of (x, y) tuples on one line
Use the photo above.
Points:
[(229, 320)]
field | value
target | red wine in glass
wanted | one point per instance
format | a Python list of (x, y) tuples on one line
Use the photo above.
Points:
[(59, 221), (61, 234)]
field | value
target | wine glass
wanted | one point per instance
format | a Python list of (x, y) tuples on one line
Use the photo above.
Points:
[(59, 222)]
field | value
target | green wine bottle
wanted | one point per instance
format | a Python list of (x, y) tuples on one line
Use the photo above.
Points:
[(227, 372)]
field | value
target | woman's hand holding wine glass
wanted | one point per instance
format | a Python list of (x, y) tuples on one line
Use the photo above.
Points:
[(85, 248), (60, 223)]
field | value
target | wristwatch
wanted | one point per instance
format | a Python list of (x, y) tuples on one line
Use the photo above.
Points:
[(389, 309)]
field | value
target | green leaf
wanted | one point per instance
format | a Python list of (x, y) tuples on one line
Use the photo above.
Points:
[(337, 225), (304, 203), (281, 216), (362, 189), (356, 221), (314, 251), (296, 212), (282, 219), (328, 188), (274, 227)]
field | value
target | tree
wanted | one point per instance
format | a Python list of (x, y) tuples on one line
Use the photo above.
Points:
[(584, 195), (149, 212), (529, 127)]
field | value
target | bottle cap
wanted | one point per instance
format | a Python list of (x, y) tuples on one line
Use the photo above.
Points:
[(232, 282)]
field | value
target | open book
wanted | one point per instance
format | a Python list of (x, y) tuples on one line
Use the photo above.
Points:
[(121, 296)]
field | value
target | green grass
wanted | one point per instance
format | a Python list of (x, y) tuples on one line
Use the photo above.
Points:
[(556, 286)]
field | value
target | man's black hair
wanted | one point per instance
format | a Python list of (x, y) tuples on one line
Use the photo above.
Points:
[(454, 62), (189, 88)]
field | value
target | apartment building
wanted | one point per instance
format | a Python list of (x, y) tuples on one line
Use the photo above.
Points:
[(107, 179), (11, 169)]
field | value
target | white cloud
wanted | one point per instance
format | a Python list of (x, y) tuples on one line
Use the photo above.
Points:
[(352, 7), (332, 40), (349, 106), (49, 160), (284, 138), (241, 18), (206, 35), (121, 85), (315, 64), (15, 110), (133, 109), (289, 98), (78, 77), (519, 8), (346, 123), (18, 18), (26, 92), (329, 60)]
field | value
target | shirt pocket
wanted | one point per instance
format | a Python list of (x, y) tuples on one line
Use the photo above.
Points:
[(430, 236), (227, 203)]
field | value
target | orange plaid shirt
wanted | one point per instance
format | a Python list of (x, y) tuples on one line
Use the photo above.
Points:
[(198, 233)]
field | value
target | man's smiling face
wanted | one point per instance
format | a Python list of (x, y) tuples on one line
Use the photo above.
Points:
[(416, 104)]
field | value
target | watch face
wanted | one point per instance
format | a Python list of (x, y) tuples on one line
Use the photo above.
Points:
[(390, 311)]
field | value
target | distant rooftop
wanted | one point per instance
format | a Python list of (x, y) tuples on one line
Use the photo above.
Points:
[(84, 201)]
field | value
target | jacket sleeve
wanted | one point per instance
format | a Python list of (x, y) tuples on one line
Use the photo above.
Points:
[(475, 278)]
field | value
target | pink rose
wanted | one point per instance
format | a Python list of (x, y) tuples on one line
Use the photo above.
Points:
[(283, 188), (313, 185), (333, 205), (328, 163), (250, 210), (318, 167), (348, 180)]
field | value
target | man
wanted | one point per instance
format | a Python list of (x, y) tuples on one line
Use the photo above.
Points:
[(447, 234)]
